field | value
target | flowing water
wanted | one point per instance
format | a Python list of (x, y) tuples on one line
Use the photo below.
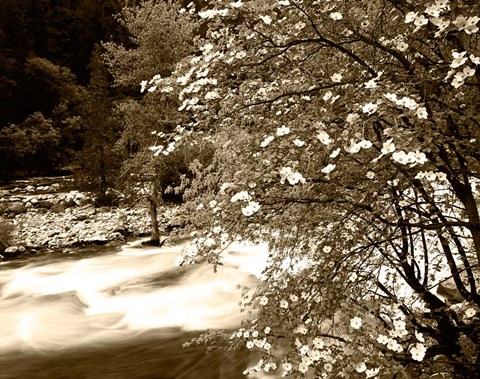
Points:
[(123, 313)]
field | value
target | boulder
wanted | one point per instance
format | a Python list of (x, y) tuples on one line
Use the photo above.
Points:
[(58, 208), (47, 204), (122, 230), (115, 236), (11, 251), (69, 202), (3, 208), (30, 188), (52, 233), (81, 217), (81, 201), (80, 195), (56, 200), (90, 209), (85, 212), (98, 239), (17, 207)]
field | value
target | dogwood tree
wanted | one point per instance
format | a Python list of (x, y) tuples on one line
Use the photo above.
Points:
[(347, 138)]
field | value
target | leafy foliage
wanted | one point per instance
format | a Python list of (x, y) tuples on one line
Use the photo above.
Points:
[(347, 138), (160, 37), (32, 145), (98, 163)]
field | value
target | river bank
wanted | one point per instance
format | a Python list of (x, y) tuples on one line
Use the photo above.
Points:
[(46, 218)]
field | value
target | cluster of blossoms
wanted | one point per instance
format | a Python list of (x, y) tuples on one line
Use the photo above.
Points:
[(267, 141), (241, 196), (459, 60), (433, 13), (399, 332), (312, 352), (255, 339), (355, 147), (155, 84), (286, 173), (157, 149), (412, 157), (361, 367), (324, 138), (212, 13), (470, 312), (468, 25), (432, 176), (407, 103), (251, 207), (283, 131), (391, 343), (418, 352), (466, 311)]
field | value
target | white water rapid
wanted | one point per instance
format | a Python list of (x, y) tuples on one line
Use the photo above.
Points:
[(64, 303)]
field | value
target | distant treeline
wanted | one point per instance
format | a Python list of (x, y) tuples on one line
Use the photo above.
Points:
[(46, 50)]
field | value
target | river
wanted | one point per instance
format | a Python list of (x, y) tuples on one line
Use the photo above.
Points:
[(121, 312)]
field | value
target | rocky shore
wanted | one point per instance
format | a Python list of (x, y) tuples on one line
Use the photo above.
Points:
[(49, 218)]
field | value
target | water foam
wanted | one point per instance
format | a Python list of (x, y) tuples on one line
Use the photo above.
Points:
[(63, 304)]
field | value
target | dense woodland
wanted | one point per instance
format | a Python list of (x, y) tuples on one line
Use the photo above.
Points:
[(46, 66), (69, 89)]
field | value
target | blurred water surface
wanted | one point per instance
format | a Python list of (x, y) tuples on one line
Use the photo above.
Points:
[(121, 312)]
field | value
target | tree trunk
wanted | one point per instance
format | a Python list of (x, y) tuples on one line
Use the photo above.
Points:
[(153, 211), (103, 175)]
